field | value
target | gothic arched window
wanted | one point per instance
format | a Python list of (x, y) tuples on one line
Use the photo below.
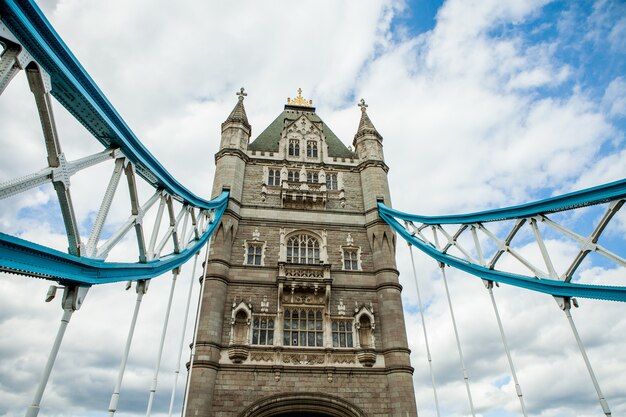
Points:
[(311, 149), (303, 249), (240, 328), (331, 181), (293, 176), (294, 147)]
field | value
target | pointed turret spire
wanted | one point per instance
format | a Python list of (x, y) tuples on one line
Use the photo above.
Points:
[(366, 127), (238, 115)]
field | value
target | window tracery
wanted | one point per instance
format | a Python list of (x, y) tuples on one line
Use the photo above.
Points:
[(331, 182), (273, 178), (303, 249), (294, 147), (342, 333), (311, 149), (263, 330), (303, 327)]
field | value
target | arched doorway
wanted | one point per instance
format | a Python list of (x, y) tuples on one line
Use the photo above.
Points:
[(305, 414), (303, 405)]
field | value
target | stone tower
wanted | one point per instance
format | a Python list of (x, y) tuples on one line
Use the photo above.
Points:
[(301, 312)]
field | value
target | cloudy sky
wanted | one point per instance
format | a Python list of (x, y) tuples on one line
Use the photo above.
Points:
[(481, 104)]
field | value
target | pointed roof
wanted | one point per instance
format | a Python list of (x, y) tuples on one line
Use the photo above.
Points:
[(238, 115), (269, 139), (366, 127)]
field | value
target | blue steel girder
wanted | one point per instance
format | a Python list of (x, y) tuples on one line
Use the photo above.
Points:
[(28, 258), (73, 87), (31, 43), (545, 282)]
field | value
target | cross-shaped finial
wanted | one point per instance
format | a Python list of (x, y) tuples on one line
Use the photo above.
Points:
[(241, 94), (362, 105), (299, 92)]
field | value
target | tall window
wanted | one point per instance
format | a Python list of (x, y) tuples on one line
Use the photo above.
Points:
[(303, 327), (263, 331), (303, 249), (342, 333), (273, 177), (294, 147), (312, 177), (253, 253), (311, 149), (350, 259), (293, 176), (331, 181)]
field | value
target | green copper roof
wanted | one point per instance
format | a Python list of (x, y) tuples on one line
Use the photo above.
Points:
[(269, 139)]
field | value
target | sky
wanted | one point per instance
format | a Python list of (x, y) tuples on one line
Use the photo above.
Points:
[(482, 104)]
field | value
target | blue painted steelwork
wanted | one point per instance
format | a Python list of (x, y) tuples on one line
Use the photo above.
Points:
[(588, 197), (596, 195), (80, 95), (17, 255)]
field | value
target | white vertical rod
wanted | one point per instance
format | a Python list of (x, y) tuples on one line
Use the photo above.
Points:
[(518, 388), (141, 285), (195, 331), (603, 402), (155, 378), (182, 336), (458, 341), (33, 410), (419, 301)]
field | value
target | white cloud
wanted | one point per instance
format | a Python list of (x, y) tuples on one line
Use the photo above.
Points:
[(464, 129), (615, 97)]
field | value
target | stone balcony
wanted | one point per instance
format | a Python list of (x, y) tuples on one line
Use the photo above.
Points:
[(295, 194)]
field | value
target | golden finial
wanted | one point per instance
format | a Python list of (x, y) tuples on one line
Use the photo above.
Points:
[(299, 101)]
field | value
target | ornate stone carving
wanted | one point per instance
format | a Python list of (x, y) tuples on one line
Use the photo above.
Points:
[(299, 297), (341, 308), (262, 357), (304, 273), (265, 305), (238, 353), (345, 359), (303, 359), (367, 357)]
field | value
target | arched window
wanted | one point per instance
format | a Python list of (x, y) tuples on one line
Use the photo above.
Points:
[(311, 149), (331, 181), (273, 177), (294, 147), (365, 332), (240, 328), (303, 249), (293, 176)]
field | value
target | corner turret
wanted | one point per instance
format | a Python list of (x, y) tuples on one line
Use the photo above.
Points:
[(230, 160), (236, 129), (368, 143)]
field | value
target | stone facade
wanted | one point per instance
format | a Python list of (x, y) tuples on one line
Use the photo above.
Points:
[(301, 310)]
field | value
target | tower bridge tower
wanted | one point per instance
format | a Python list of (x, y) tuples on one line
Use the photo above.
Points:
[(301, 313)]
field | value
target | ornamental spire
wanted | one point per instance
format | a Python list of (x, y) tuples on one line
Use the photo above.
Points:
[(238, 115), (299, 101), (366, 127)]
